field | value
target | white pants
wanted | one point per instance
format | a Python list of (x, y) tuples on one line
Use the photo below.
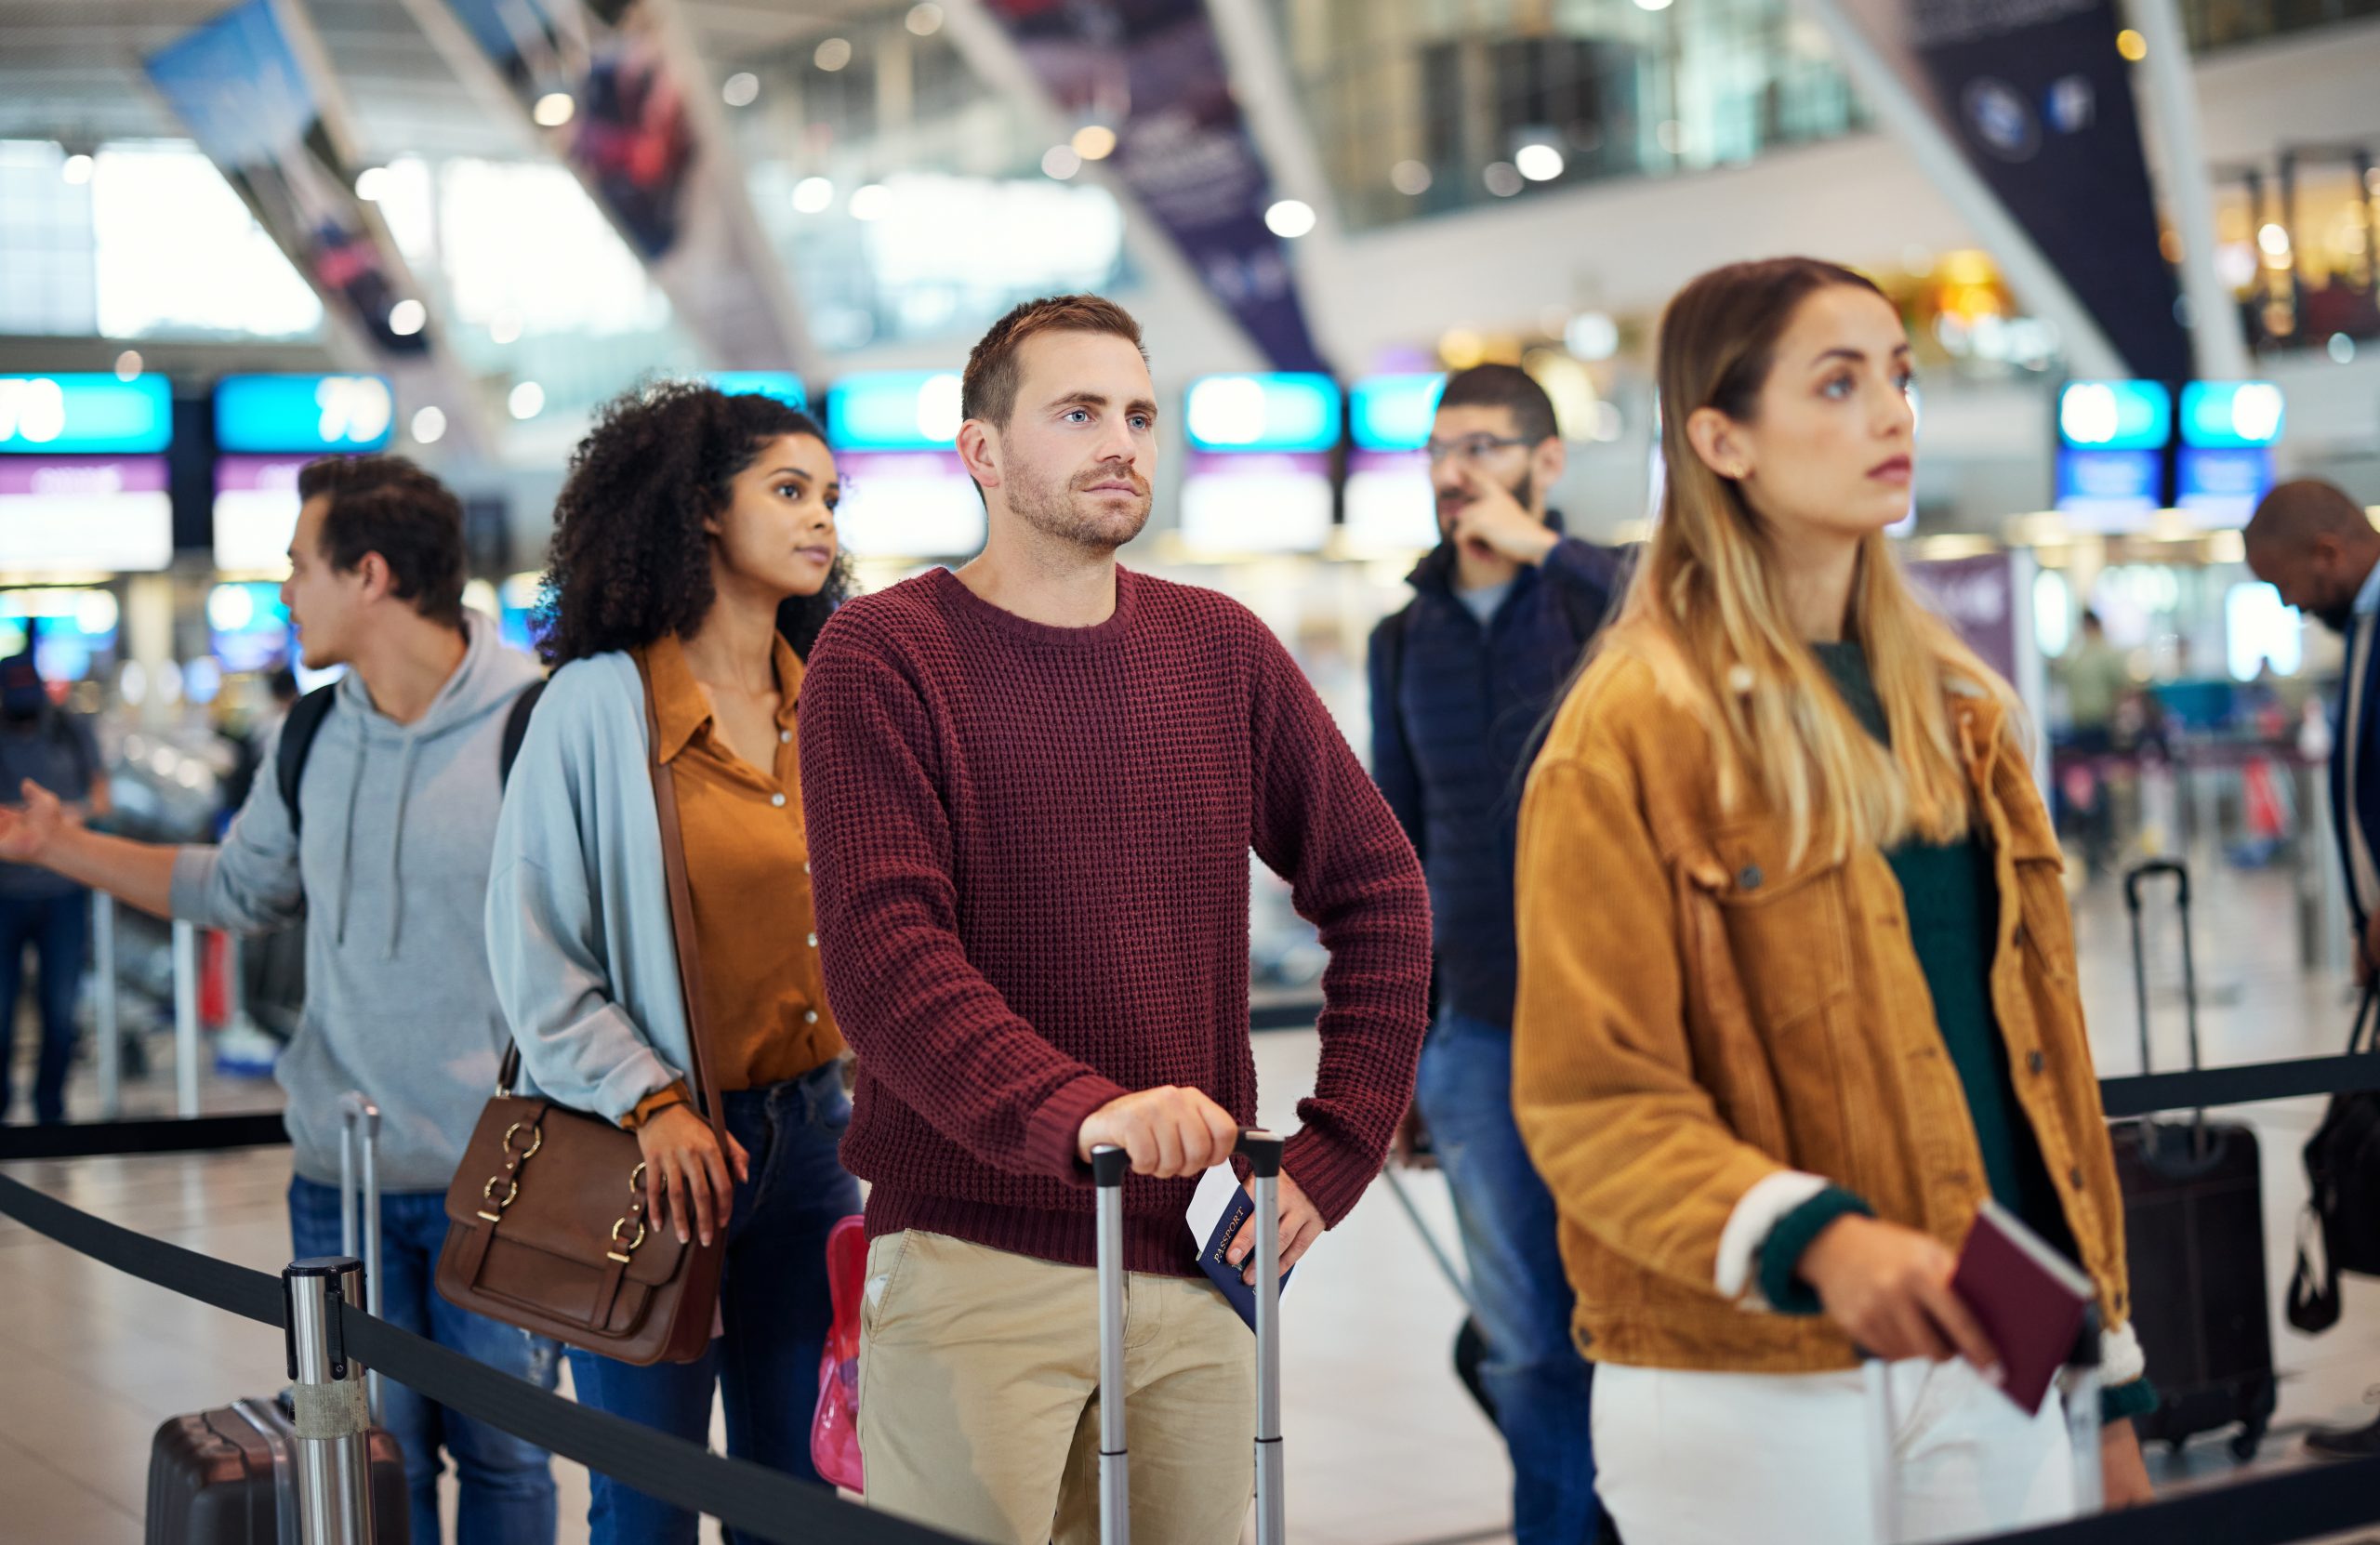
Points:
[(1725, 1458)]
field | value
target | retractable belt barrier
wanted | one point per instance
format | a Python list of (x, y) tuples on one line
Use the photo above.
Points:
[(768, 1504), (763, 1503)]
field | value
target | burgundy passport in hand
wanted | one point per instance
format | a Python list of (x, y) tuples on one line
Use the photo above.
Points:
[(2030, 1299)]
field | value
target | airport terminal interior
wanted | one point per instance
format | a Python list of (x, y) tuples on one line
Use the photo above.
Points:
[(2137, 260)]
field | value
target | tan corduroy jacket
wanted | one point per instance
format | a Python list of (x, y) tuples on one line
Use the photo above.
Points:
[(1700, 1012)]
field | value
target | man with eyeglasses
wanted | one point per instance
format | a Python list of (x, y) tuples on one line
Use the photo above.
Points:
[(1460, 680)]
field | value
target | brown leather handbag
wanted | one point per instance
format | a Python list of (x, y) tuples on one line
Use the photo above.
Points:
[(545, 1225)]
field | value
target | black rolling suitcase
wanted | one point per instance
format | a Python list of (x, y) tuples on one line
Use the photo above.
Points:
[(228, 1477), (2194, 1225)]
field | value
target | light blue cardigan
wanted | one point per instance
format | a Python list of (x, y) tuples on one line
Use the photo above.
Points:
[(578, 931)]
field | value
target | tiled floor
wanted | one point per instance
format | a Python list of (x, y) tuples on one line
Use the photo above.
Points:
[(1384, 1447)]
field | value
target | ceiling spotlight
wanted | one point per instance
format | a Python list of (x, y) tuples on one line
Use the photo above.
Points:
[(1061, 162), (1538, 163), (408, 317), (1289, 218), (833, 54), (742, 90), (128, 365), (428, 426), (372, 184), (76, 168), (527, 400), (554, 108), (1410, 177), (1503, 179), (505, 327), (871, 202), (813, 195), (925, 21), (1094, 141)]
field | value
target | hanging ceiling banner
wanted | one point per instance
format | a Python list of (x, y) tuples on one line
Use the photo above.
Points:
[(614, 89), (1153, 72), (2039, 99), (238, 86), (254, 91)]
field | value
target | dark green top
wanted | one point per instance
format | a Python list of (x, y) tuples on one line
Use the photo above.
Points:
[(1953, 899)]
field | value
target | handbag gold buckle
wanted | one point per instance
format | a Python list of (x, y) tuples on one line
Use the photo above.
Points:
[(511, 1179), (635, 1217)]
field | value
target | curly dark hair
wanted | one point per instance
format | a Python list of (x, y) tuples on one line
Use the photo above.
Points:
[(630, 561)]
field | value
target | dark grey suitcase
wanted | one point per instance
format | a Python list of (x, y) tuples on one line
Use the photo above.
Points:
[(228, 1477), (2194, 1231)]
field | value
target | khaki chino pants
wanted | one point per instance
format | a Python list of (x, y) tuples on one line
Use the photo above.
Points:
[(979, 1397)]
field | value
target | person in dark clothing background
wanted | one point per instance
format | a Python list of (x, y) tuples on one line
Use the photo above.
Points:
[(41, 911), (1462, 679)]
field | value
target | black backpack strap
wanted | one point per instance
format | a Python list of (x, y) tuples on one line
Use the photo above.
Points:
[(516, 727), (298, 733)]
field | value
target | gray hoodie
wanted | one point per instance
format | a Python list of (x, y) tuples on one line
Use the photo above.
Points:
[(391, 874)]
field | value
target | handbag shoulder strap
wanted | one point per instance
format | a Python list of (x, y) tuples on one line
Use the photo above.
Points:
[(682, 910)]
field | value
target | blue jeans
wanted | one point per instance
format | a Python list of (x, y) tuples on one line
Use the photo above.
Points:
[(56, 929), (507, 1484), (773, 1306), (1533, 1371)]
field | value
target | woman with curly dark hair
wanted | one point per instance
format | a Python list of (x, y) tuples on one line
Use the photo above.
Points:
[(693, 559)]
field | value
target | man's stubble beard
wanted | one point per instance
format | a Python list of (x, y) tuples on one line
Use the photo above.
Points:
[(1050, 510)]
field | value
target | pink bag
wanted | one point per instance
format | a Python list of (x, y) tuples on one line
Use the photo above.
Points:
[(834, 1432)]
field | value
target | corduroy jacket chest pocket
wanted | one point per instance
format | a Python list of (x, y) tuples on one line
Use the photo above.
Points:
[(1786, 917)]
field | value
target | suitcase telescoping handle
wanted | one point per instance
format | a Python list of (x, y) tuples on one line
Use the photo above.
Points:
[(2157, 868), (2077, 1387), (359, 1117), (1108, 1166)]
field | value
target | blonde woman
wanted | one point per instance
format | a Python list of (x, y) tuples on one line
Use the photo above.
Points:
[(1797, 976)]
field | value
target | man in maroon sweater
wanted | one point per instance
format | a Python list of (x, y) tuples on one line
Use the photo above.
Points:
[(1031, 787)]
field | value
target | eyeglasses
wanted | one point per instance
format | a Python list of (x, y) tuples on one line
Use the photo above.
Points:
[(1473, 447)]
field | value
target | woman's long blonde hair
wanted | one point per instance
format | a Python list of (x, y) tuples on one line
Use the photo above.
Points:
[(1706, 586)]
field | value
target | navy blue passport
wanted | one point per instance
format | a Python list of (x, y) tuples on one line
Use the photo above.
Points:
[(1224, 1205)]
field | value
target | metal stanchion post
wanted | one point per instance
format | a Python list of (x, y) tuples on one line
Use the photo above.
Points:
[(106, 1020), (329, 1415), (185, 1018)]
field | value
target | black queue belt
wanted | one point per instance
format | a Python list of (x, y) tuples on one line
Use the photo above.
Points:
[(761, 1503), (2244, 1085), (166, 1135)]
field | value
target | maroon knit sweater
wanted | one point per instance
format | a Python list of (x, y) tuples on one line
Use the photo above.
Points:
[(1029, 851)]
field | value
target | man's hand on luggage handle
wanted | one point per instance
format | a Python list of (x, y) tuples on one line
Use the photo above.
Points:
[(1301, 1227), (2123, 1473), (1890, 1287), (1167, 1133)]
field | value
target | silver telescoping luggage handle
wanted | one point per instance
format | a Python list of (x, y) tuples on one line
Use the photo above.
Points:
[(2077, 1387), (356, 1111), (1108, 1166)]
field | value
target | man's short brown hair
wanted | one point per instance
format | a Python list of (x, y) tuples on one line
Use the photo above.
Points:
[(386, 504), (989, 390)]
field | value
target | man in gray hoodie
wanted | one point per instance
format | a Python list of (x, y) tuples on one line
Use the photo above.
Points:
[(385, 853)]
